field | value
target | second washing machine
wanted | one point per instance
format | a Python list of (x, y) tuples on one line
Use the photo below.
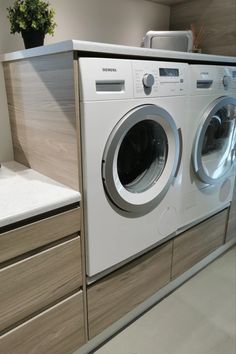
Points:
[(133, 115), (209, 153)]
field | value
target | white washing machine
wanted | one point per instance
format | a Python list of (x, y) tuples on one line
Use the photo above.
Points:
[(132, 121), (208, 159)]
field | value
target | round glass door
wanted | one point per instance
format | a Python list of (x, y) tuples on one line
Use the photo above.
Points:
[(142, 156), (140, 159), (212, 154)]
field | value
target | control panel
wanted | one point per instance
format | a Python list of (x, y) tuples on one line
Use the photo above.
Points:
[(111, 79), (229, 79), (214, 79), (156, 78)]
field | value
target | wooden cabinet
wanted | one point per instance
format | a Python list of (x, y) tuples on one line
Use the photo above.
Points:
[(231, 229), (198, 242), (40, 269), (115, 295), (41, 105), (33, 283), (58, 330), (42, 294), (39, 233), (118, 293), (41, 287)]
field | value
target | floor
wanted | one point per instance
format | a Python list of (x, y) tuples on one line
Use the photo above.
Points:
[(198, 318)]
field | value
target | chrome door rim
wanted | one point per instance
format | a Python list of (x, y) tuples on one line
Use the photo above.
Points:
[(145, 201), (198, 142)]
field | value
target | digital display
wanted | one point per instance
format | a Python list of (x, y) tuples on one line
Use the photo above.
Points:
[(169, 72)]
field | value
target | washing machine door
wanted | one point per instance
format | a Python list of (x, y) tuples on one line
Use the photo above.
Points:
[(141, 158), (213, 150)]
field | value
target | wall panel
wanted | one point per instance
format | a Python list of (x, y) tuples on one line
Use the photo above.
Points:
[(218, 18)]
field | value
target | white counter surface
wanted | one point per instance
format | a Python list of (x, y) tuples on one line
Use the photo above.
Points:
[(112, 49), (25, 193)]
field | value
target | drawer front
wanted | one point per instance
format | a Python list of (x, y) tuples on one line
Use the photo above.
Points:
[(198, 242), (59, 330), (30, 285), (112, 297), (231, 229), (37, 234)]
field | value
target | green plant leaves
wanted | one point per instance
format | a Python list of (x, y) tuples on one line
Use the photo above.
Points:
[(27, 15)]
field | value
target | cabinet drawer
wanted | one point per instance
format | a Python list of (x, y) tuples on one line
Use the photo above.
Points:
[(198, 242), (24, 239), (59, 330), (35, 282), (118, 293)]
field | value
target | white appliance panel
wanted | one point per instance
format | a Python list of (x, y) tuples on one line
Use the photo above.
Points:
[(199, 200), (112, 236)]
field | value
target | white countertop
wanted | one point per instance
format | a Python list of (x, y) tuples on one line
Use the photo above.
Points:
[(118, 50), (25, 193)]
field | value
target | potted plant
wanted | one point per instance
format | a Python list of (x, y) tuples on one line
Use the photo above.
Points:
[(33, 19)]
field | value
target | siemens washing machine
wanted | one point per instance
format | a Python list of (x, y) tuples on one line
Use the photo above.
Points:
[(209, 154), (133, 117)]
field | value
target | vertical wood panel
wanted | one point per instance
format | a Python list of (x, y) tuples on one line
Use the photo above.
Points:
[(231, 229), (219, 19), (41, 102), (80, 171)]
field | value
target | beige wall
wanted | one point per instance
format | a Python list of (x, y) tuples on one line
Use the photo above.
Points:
[(219, 19), (112, 21)]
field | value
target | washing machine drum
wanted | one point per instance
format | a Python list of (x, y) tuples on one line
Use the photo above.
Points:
[(141, 158), (213, 149)]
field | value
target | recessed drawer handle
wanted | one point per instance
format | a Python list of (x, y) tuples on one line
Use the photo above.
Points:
[(204, 83)]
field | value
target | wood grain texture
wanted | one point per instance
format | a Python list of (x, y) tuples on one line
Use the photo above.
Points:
[(198, 242), (41, 103), (218, 18), (231, 228), (58, 330), (29, 285), (169, 2), (27, 238), (118, 293), (81, 188)]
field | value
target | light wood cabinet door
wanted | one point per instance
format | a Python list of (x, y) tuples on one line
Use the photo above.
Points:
[(231, 229), (198, 242), (36, 282), (37, 234), (118, 293), (58, 330)]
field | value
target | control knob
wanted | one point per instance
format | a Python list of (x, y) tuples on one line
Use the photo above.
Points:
[(148, 80), (226, 81)]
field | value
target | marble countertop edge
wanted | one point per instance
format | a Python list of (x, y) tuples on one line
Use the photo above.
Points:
[(25, 193), (115, 49)]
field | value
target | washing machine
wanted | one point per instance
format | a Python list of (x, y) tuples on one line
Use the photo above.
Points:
[(133, 115), (209, 154)]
